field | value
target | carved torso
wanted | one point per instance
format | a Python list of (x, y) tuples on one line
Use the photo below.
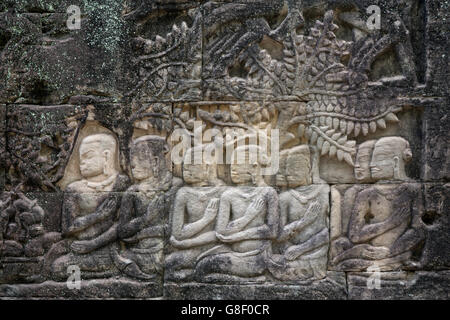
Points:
[(297, 202), (240, 199), (381, 207)]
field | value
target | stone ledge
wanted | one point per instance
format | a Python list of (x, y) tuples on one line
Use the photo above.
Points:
[(91, 289), (331, 288)]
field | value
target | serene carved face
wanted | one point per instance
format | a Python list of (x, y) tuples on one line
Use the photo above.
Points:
[(382, 164), (362, 162), (195, 173), (142, 162), (92, 159)]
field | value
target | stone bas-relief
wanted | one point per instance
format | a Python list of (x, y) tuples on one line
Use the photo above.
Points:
[(24, 240), (143, 210), (193, 218), (89, 210), (247, 221), (362, 181), (379, 227), (302, 244)]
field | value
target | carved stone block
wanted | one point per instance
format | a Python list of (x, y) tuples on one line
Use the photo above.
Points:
[(436, 218), (438, 58), (224, 149), (420, 285), (41, 139), (167, 60), (117, 288), (332, 287), (436, 165), (29, 226), (376, 227)]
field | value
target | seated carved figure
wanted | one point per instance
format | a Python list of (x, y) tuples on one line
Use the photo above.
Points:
[(246, 225), (382, 228), (89, 212), (143, 210), (302, 245), (193, 217)]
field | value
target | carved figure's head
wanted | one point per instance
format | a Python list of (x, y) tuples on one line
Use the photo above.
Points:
[(97, 155), (148, 157), (203, 173), (249, 170), (298, 166), (389, 157)]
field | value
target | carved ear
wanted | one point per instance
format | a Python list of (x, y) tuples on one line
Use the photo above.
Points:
[(407, 155), (396, 163), (156, 161)]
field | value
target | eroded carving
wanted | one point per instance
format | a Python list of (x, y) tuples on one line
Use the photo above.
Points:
[(302, 243), (380, 227), (89, 212), (144, 210), (247, 222), (23, 238), (193, 218)]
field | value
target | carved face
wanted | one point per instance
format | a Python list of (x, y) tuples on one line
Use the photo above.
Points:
[(382, 164), (298, 167), (142, 162), (362, 162), (242, 174), (92, 159), (195, 173), (298, 170)]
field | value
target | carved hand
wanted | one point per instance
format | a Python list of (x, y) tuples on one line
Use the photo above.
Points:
[(107, 205), (154, 206), (212, 209), (256, 207), (178, 244), (312, 213), (401, 215), (375, 253), (230, 238), (291, 254)]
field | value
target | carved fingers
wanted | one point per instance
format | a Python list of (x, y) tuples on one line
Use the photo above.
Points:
[(256, 206), (375, 253), (212, 209), (313, 211), (291, 253), (401, 215), (223, 238)]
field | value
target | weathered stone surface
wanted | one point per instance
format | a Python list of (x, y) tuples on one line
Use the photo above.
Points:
[(376, 226), (437, 39), (29, 226), (420, 285), (4, 156), (57, 62), (436, 218), (167, 61), (248, 149), (41, 139), (333, 287), (436, 166), (119, 288)]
